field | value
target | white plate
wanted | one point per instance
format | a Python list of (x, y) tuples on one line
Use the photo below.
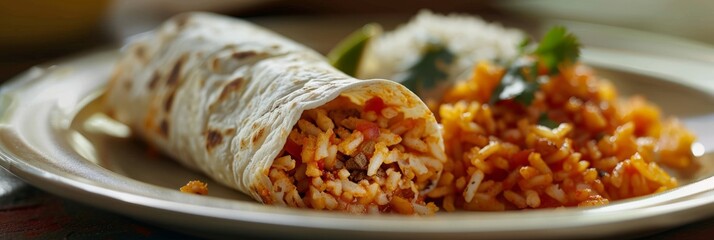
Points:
[(50, 136)]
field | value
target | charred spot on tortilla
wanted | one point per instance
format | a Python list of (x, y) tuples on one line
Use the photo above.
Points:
[(215, 64), (244, 54), (244, 143), (213, 138), (140, 52), (181, 20), (114, 78), (202, 82), (149, 120), (127, 85), (169, 100), (154, 80), (164, 128), (232, 86), (258, 135), (229, 131), (174, 75)]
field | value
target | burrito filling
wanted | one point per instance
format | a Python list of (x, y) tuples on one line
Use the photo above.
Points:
[(357, 158)]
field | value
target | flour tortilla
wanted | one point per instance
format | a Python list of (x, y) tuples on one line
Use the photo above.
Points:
[(220, 95)]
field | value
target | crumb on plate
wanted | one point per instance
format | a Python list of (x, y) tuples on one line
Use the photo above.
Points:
[(195, 187)]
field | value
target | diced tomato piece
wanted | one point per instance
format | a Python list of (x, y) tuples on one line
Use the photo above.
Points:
[(521, 158), (321, 165), (630, 170), (509, 104), (497, 175), (333, 139), (375, 104), (409, 123), (542, 69), (369, 129), (293, 149)]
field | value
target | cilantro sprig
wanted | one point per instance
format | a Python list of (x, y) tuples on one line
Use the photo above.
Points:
[(518, 83), (429, 70), (522, 80), (558, 47), (347, 55), (544, 120)]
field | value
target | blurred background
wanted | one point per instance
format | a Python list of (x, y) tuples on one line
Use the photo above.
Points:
[(39, 31)]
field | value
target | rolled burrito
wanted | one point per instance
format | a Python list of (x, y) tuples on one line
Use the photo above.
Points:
[(270, 118)]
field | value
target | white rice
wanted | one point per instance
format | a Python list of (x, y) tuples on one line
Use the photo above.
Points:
[(532, 198), (392, 157), (473, 184), (334, 187), (380, 154), (515, 198), (323, 143), (285, 163), (556, 193), (350, 144), (324, 122), (472, 38), (418, 164), (392, 179)]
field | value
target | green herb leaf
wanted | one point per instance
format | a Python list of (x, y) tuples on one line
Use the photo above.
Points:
[(522, 80), (430, 70), (545, 121), (519, 83), (557, 47), (524, 45), (347, 55)]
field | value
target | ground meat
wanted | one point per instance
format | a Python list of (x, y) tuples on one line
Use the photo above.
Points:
[(328, 176), (339, 164), (338, 115), (381, 173), (367, 148), (405, 193), (358, 175), (358, 162)]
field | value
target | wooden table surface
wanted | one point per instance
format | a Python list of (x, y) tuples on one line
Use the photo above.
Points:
[(30, 213)]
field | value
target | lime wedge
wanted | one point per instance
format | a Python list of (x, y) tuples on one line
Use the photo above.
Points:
[(347, 55)]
